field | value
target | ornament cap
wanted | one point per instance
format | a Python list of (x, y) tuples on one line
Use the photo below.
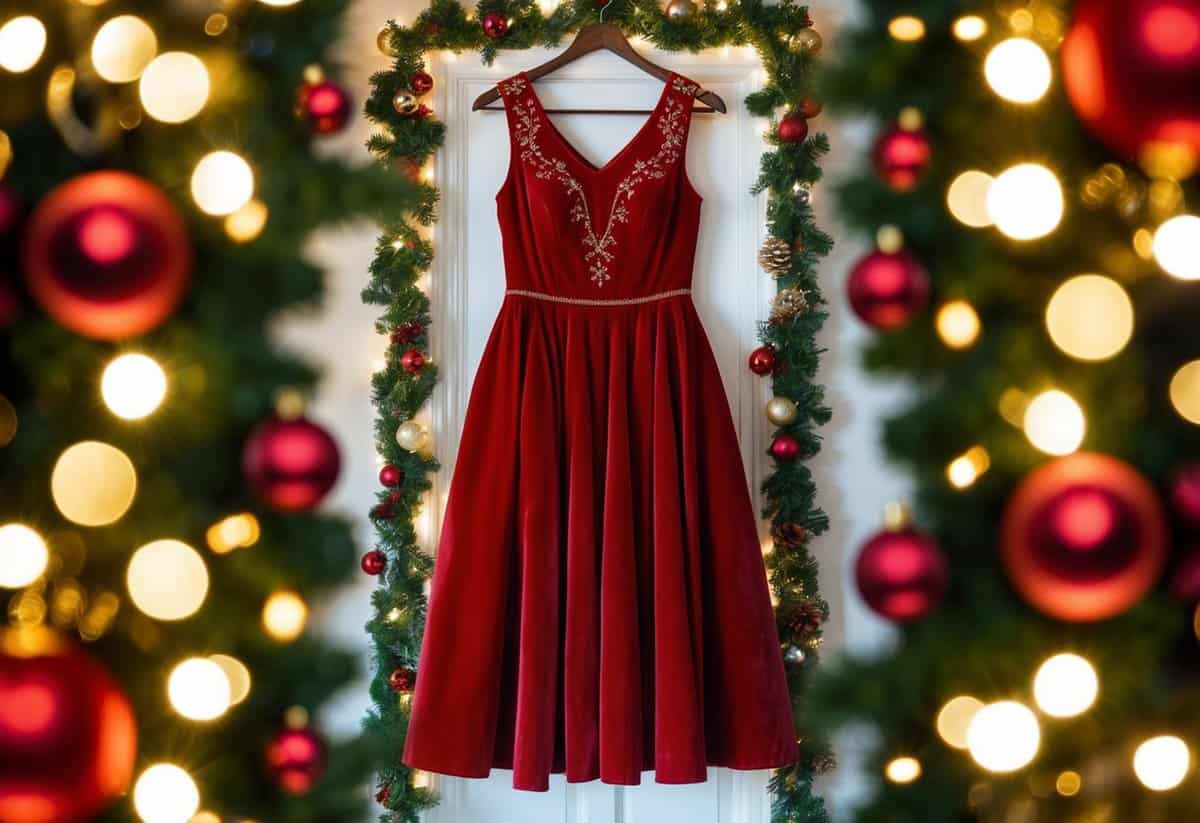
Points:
[(289, 404), (897, 516)]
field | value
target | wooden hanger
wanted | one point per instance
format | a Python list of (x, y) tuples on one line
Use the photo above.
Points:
[(596, 37)]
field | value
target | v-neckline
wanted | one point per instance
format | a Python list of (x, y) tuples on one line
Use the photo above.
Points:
[(588, 165)]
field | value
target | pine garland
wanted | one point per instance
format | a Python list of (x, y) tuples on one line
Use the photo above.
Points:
[(787, 173)]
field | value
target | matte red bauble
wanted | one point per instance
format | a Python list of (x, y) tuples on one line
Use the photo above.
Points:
[(762, 361), (412, 361), (291, 464), (421, 82), (68, 738), (1184, 493), (1084, 537), (407, 332), (402, 679), (901, 157), (901, 574), (296, 758), (793, 128), (391, 476), (383, 511), (809, 107), (325, 106), (1185, 580), (887, 289), (495, 24), (107, 255), (1132, 70), (785, 447), (374, 562)]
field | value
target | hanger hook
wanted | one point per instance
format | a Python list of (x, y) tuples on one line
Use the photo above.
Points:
[(604, 8)]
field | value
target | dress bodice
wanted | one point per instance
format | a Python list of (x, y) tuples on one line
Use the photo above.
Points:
[(624, 230)]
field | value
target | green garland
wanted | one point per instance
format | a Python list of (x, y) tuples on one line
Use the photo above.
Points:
[(787, 46)]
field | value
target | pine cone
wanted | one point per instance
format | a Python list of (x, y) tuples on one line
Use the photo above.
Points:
[(788, 305), (802, 619), (789, 535), (775, 257)]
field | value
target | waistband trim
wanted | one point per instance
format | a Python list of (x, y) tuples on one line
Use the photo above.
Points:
[(585, 301)]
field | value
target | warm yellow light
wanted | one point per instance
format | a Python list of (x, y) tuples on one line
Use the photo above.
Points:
[(964, 470), (970, 27), (167, 580), (1004, 737), (133, 386), (23, 556), (1068, 784), (122, 48), (199, 690), (279, 3), (93, 483), (1162, 763), (1185, 392), (1066, 685), (247, 223), (903, 770), (1090, 317), (955, 718), (1054, 423), (234, 532), (1026, 202), (208, 817), (1018, 70), (967, 198), (958, 324), (222, 183), (284, 616), (174, 87), (1177, 247), (22, 41), (165, 794), (907, 28), (237, 674)]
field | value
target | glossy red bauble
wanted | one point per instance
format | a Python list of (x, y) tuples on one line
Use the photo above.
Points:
[(68, 738), (1084, 537), (762, 361), (901, 574), (793, 128), (296, 758), (809, 107), (495, 25), (1132, 70), (901, 157), (1184, 493), (374, 562), (402, 680), (325, 106), (421, 83), (412, 361), (391, 476), (887, 289), (290, 464), (107, 255), (785, 447)]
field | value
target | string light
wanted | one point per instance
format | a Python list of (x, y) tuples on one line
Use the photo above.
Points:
[(1018, 70), (247, 223), (222, 183), (23, 556), (133, 386), (970, 28), (1162, 763), (174, 87), (1004, 737), (903, 770), (238, 531), (964, 470), (122, 48), (165, 793), (955, 718), (958, 324), (237, 674), (1090, 317), (279, 3), (199, 690), (1066, 685), (1068, 784), (1185, 392), (22, 41), (1054, 423), (967, 198), (906, 28), (284, 616), (93, 483), (167, 580), (1177, 247), (1026, 202)]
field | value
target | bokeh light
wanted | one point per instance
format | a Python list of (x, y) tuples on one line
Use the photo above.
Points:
[(1066, 685), (167, 580), (9, 423), (958, 324), (247, 223), (174, 87), (284, 616), (1177, 247), (199, 689), (1004, 737), (1185, 392), (955, 718), (1090, 317), (133, 386), (1162, 763), (222, 183), (964, 470), (1026, 202), (1054, 423), (1018, 70), (237, 674), (970, 27), (23, 556), (906, 28), (967, 198), (22, 41), (237, 531), (93, 483), (1068, 783), (122, 48), (165, 793), (903, 770)]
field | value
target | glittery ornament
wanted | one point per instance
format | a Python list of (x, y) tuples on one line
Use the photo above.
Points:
[(787, 305), (775, 256), (405, 103)]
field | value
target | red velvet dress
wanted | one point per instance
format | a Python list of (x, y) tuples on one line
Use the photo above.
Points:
[(599, 603)]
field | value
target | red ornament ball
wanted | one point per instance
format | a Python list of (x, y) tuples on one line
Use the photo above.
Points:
[(402, 679), (374, 562), (887, 288), (495, 25), (421, 83), (383, 511), (406, 333), (793, 128), (809, 107), (290, 464), (296, 758), (412, 361), (762, 361), (1184, 493), (1132, 70), (325, 106), (901, 574), (1185, 581), (68, 738), (901, 157), (107, 255), (1084, 537), (391, 476), (785, 447)]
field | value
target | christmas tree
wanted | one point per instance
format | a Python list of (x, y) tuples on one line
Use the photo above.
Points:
[(159, 539), (1029, 194)]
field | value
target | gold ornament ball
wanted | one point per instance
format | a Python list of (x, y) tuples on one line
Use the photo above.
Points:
[(782, 411), (384, 42), (412, 436), (680, 9), (775, 257), (809, 40), (405, 102)]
